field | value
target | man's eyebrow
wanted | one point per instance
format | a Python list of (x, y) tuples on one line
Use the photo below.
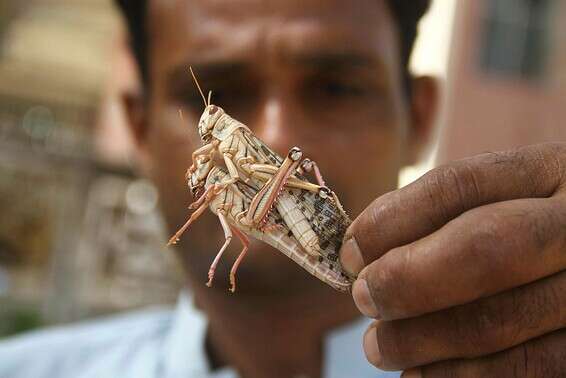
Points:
[(335, 60), (205, 72)]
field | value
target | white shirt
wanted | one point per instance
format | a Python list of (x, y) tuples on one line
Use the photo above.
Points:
[(160, 343)]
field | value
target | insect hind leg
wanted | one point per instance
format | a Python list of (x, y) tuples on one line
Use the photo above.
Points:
[(246, 242)]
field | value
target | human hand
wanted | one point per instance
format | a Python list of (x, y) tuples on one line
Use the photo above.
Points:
[(465, 269)]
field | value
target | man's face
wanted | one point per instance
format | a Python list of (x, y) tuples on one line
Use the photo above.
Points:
[(322, 75)]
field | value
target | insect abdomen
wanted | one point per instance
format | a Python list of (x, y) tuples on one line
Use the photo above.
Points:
[(298, 223)]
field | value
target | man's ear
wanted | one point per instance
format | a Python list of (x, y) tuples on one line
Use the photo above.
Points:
[(424, 108), (137, 122), (136, 117)]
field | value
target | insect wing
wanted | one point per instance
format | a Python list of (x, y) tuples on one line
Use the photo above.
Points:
[(326, 215), (263, 153)]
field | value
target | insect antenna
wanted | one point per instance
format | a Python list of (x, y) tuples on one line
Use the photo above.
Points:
[(209, 97), (198, 86)]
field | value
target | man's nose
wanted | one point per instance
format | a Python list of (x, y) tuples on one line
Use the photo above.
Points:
[(273, 123)]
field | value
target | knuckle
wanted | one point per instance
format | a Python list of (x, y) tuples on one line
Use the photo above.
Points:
[(366, 227), (453, 188), (380, 210), (365, 221), (487, 239), (546, 165), (546, 223)]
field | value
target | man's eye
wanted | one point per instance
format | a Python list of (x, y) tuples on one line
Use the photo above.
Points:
[(190, 99), (223, 95), (339, 89)]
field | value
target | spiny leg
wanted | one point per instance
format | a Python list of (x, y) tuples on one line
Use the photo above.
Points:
[(246, 242), (267, 195), (228, 237), (265, 172)]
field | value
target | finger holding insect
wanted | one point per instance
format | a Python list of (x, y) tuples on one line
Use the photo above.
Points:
[(483, 252), (423, 207)]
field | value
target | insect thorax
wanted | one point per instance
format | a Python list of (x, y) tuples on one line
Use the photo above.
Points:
[(226, 126)]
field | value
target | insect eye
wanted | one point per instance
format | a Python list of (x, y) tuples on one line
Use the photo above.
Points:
[(213, 109)]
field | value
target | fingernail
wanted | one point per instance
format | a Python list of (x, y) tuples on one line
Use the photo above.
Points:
[(371, 347), (412, 373), (363, 299), (351, 257)]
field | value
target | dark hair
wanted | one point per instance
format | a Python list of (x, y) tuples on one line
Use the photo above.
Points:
[(406, 13)]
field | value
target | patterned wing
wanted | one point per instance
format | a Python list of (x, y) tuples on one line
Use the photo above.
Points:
[(263, 153), (326, 215), (328, 220)]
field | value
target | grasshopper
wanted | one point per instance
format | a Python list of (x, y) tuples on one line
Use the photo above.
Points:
[(312, 213), (226, 197)]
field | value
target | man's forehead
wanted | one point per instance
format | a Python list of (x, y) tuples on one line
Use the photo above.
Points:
[(209, 28), (209, 21)]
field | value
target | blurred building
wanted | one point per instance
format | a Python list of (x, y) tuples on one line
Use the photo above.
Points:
[(79, 233), (506, 80)]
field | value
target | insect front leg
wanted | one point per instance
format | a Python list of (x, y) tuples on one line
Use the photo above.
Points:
[(209, 195), (175, 238), (228, 237), (207, 149)]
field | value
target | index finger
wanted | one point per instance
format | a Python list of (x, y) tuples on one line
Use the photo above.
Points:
[(408, 214)]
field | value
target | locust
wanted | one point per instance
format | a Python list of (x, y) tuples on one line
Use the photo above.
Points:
[(265, 196)]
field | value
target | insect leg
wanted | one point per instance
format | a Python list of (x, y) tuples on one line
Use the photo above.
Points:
[(267, 195), (246, 243), (228, 237), (264, 172), (207, 148), (204, 150), (212, 192), (201, 199), (309, 165), (231, 166)]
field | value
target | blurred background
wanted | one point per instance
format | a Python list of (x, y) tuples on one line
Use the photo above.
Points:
[(80, 234)]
